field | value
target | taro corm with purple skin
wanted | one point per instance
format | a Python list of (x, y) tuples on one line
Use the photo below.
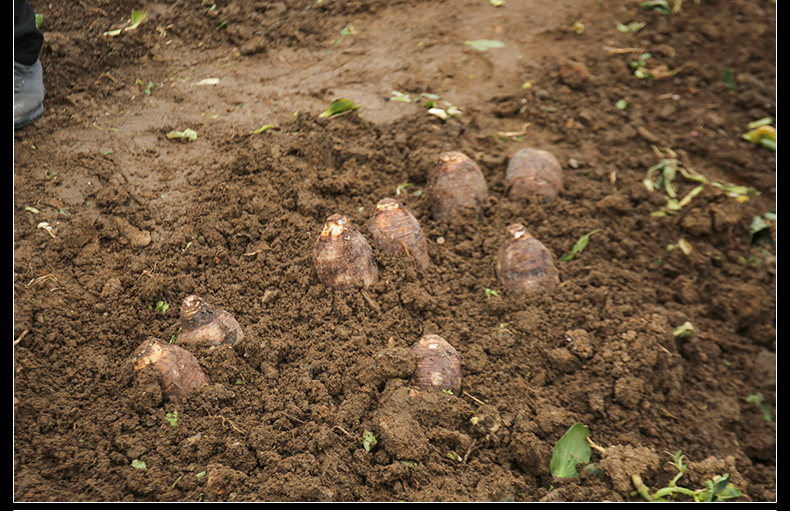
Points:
[(533, 173), (342, 257), (203, 323), (438, 365), (524, 264), (395, 230), (179, 371), (455, 182)]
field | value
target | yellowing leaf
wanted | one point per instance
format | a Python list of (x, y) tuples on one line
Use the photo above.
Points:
[(187, 134), (485, 44), (134, 22)]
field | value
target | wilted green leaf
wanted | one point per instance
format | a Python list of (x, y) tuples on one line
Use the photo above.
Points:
[(765, 121), (761, 223), (571, 450), (137, 18), (339, 106), (399, 96), (661, 6), (736, 190), (719, 489), (445, 113), (763, 135), (580, 244), (485, 44), (630, 28)]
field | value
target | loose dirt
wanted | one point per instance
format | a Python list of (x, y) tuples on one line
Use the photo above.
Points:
[(112, 217)]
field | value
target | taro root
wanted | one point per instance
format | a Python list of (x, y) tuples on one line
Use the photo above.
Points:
[(438, 365), (533, 172), (342, 257), (455, 182), (179, 371), (395, 231), (203, 323), (524, 264)]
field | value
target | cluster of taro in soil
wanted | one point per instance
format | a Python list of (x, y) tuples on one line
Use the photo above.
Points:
[(343, 259)]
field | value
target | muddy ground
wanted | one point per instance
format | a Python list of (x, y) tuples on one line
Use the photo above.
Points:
[(112, 217)]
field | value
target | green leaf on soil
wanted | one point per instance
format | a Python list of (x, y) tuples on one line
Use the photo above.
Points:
[(581, 243), (485, 44), (571, 450), (719, 489), (661, 6), (161, 307), (760, 224), (262, 129), (729, 79), (630, 28), (139, 464), (172, 418), (758, 400), (762, 133), (683, 330), (137, 18), (146, 88), (338, 107), (369, 440)]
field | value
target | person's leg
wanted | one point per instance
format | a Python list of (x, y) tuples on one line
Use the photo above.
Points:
[(28, 78), (27, 38)]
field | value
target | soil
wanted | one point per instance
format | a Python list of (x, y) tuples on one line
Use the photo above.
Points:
[(112, 217)]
